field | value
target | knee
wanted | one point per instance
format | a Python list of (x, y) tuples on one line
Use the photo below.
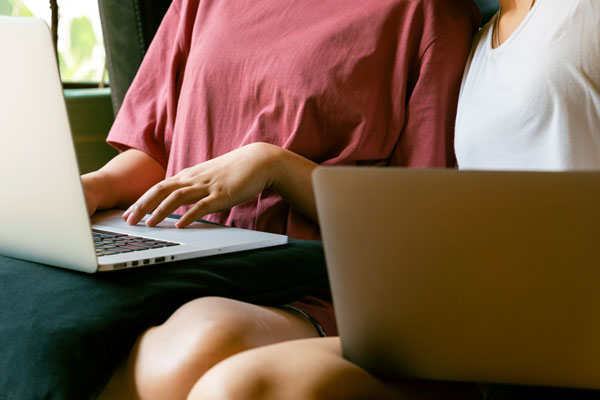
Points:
[(247, 376), (237, 378), (171, 357), (288, 370), (310, 369)]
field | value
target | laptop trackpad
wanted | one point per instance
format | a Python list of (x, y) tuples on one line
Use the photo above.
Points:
[(196, 234), (165, 230)]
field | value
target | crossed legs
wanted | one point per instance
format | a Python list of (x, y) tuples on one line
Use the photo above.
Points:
[(216, 349), (168, 360)]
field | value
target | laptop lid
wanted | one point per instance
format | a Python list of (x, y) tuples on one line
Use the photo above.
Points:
[(44, 215), (43, 211), (469, 276)]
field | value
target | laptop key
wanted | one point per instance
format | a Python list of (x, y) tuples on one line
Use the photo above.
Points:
[(136, 247), (106, 233), (140, 245), (123, 249), (106, 253)]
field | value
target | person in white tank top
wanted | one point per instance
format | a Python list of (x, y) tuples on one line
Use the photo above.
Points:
[(530, 97)]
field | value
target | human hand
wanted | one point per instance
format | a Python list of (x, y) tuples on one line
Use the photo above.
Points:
[(212, 186), (121, 181)]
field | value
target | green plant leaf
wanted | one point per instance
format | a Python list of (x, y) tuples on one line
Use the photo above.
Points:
[(83, 39), (25, 12), (65, 71), (6, 7)]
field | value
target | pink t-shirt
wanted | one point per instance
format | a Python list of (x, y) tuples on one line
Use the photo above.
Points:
[(346, 82)]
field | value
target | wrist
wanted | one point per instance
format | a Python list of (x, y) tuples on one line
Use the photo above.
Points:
[(274, 158), (96, 186), (289, 175)]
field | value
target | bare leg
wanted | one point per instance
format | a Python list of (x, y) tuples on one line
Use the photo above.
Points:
[(310, 369), (168, 360)]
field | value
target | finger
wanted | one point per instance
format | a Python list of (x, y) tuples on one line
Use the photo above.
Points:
[(180, 197), (207, 205), (149, 200)]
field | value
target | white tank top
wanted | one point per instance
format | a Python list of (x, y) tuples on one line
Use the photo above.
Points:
[(534, 102)]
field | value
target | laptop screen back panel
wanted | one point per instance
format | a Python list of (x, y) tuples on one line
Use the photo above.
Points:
[(43, 214), (474, 276)]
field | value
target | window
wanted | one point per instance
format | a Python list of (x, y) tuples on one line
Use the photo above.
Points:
[(82, 67), (80, 46)]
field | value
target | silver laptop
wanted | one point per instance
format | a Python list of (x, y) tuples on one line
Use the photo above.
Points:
[(43, 215), (468, 276)]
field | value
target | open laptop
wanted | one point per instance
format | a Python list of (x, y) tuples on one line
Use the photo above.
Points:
[(468, 276), (43, 215)]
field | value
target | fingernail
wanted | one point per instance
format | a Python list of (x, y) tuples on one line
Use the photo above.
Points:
[(131, 220)]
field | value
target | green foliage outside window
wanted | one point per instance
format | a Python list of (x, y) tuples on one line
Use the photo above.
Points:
[(77, 64), (80, 53), (14, 8)]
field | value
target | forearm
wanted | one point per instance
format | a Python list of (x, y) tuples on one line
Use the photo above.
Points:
[(291, 179), (123, 179)]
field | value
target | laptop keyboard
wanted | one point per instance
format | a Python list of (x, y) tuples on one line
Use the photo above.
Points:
[(109, 243)]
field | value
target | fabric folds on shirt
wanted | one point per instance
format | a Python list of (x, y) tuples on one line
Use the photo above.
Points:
[(340, 82)]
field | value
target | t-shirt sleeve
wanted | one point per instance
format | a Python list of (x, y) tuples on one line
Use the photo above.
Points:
[(427, 139), (146, 118)]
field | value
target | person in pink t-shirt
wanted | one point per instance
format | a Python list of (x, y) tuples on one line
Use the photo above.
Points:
[(234, 105)]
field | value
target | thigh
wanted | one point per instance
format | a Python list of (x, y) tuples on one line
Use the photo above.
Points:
[(311, 369), (301, 369), (221, 319), (168, 359)]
